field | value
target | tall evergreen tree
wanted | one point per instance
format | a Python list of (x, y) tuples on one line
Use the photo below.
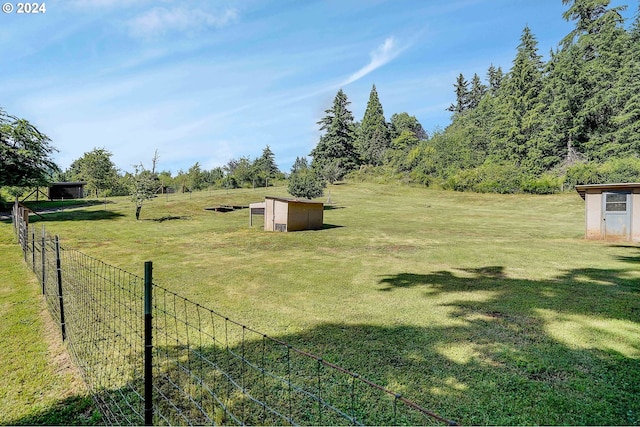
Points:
[(521, 108), (627, 119), (595, 49), (495, 77), (477, 91), (373, 137), (266, 164), (336, 145), (462, 95)]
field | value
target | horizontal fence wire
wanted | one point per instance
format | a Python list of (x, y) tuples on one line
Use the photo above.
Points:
[(207, 369)]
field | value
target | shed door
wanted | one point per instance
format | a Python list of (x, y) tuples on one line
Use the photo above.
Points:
[(617, 215)]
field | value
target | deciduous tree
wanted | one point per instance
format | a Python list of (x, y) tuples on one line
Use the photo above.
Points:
[(143, 187), (25, 153), (96, 168)]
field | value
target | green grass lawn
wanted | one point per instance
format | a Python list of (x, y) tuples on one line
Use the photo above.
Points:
[(39, 384), (487, 309)]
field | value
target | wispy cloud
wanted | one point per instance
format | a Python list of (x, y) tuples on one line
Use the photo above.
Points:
[(102, 3), (160, 21), (382, 55)]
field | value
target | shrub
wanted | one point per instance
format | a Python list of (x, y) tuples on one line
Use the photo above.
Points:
[(621, 170), (306, 183), (613, 170), (544, 184), (488, 178), (583, 173)]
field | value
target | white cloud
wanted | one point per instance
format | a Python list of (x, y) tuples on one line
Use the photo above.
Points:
[(160, 20), (382, 55)]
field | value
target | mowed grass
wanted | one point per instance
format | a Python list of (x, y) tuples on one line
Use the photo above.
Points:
[(39, 384), (487, 309)]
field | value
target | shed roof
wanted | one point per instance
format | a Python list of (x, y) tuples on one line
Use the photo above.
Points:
[(68, 184), (290, 200), (582, 189)]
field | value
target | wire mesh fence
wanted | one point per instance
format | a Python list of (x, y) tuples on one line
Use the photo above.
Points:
[(201, 368)]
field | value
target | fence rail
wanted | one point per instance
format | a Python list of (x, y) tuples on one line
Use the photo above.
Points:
[(151, 356)]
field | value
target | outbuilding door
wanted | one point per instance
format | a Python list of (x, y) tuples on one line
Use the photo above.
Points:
[(616, 215)]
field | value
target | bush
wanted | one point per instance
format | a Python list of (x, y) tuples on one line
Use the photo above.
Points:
[(375, 175), (612, 171), (621, 170), (306, 183), (544, 184), (488, 178), (583, 173)]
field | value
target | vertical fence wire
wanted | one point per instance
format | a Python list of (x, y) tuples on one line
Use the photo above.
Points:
[(207, 369)]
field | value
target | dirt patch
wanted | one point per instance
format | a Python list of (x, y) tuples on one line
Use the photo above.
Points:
[(168, 218)]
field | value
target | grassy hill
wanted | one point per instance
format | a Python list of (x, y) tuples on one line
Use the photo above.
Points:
[(487, 309)]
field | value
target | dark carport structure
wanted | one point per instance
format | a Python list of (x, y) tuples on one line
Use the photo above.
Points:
[(66, 190)]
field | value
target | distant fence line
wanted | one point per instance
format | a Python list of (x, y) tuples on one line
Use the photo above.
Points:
[(150, 356)]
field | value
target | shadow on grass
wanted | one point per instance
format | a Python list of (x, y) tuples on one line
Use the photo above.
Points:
[(75, 411), (75, 215), (635, 253), (330, 226), (502, 351)]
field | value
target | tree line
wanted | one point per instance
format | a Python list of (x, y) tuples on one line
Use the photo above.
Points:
[(537, 128), (104, 178)]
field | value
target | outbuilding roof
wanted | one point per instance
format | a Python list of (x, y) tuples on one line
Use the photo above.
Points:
[(290, 200), (68, 184), (582, 189)]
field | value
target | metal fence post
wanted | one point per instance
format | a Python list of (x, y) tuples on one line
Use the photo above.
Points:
[(60, 299), (43, 251), (148, 345), (25, 239), (33, 250)]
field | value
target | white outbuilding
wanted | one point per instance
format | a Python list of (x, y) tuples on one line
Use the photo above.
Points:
[(612, 211)]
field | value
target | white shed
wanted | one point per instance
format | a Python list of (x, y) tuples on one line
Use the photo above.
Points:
[(612, 211)]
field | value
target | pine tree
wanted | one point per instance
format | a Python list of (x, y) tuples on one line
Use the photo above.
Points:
[(462, 95), (627, 119), (520, 109), (337, 143), (373, 137), (266, 164), (588, 67), (495, 77), (476, 92)]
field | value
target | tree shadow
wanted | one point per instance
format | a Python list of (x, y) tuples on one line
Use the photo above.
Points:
[(76, 215), (75, 410), (634, 258), (326, 226), (332, 207), (502, 351)]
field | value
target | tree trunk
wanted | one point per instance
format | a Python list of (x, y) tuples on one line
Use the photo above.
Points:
[(138, 209)]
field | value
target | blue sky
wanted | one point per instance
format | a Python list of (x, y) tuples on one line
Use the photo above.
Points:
[(208, 81)]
